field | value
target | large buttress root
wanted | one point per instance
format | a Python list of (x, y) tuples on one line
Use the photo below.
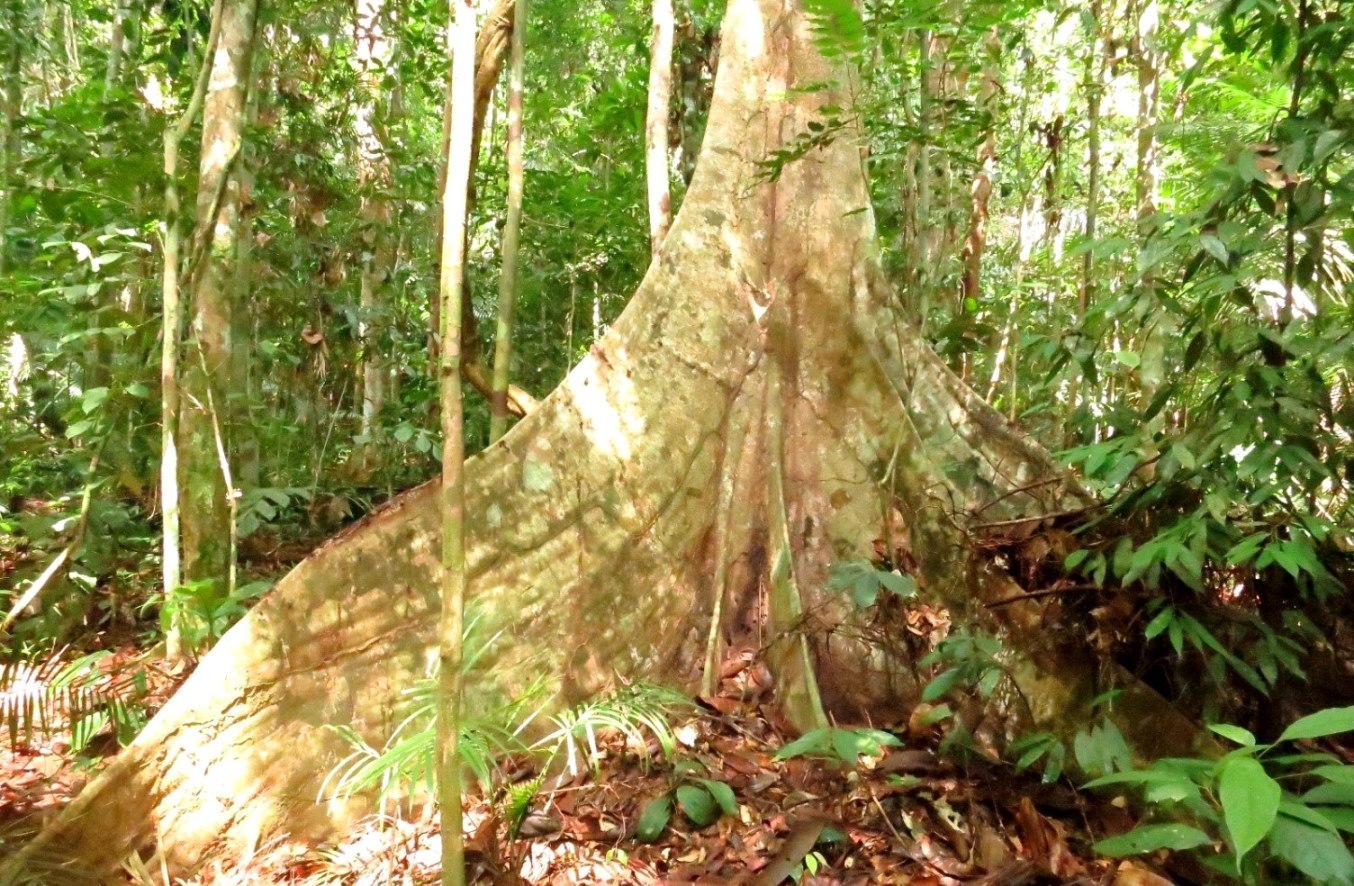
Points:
[(757, 413)]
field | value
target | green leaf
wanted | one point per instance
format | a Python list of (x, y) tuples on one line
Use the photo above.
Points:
[(1153, 837), (1328, 722), (1250, 802), (1315, 852), (935, 715), (1303, 812), (1214, 247), (942, 684), (1159, 623), (653, 819), (1134, 777), (93, 399), (901, 585), (865, 592), (697, 804), (810, 742), (1331, 793), (1335, 773), (1236, 734), (723, 795), (78, 428)]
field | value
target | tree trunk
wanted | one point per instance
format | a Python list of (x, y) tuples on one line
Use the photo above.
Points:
[(656, 124), (1096, 63), (451, 513), (756, 413), (171, 339), (240, 412), (206, 500), (12, 101), (512, 227), (125, 20), (373, 170), (980, 192), (490, 47), (1160, 328)]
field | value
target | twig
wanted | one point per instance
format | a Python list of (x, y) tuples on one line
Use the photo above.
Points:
[(1047, 481), (1046, 592), (1034, 518)]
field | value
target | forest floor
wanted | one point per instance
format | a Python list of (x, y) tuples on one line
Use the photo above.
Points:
[(909, 814)]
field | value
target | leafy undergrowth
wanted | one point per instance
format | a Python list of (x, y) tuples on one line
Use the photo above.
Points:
[(902, 814), (62, 718)]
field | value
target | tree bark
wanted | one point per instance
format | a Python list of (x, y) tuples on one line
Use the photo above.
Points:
[(12, 100), (207, 527), (512, 227), (171, 340), (490, 46), (980, 192), (373, 169), (1148, 55), (1096, 64), (656, 124), (758, 412), (461, 43)]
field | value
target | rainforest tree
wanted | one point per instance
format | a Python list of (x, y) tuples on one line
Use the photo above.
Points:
[(759, 412)]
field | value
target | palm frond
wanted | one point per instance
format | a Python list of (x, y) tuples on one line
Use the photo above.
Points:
[(635, 711), (50, 696)]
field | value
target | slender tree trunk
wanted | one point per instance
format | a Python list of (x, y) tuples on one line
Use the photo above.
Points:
[(707, 450), (374, 54), (656, 124), (171, 332), (125, 18), (1148, 56), (207, 382), (490, 48), (461, 42), (13, 106), (240, 407), (697, 58), (980, 192), (508, 280), (1096, 62), (922, 222)]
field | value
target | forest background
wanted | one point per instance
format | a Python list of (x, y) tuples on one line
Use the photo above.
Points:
[(1126, 223)]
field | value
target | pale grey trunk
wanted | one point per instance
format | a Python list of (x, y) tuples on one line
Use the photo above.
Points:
[(656, 124)]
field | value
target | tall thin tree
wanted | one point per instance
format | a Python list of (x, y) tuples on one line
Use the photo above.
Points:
[(171, 336), (1147, 52), (207, 495), (656, 124), (1097, 64), (508, 280), (461, 43), (374, 57), (12, 101)]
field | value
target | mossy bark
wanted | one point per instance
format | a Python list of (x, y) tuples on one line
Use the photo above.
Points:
[(758, 412)]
